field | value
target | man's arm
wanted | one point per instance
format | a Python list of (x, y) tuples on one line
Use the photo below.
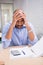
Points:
[(32, 42), (29, 29), (30, 32), (5, 42), (9, 33), (15, 18)]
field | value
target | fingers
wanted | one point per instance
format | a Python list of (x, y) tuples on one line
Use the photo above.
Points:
[(19, 15), (18, 12)]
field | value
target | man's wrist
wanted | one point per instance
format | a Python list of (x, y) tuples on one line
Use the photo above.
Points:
[(11, 26), (28, 27), (30, 31)]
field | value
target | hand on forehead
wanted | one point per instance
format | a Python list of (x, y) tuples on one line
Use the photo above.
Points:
[(19, 12)]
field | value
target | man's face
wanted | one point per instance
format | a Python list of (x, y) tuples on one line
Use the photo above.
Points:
[(20, 23)]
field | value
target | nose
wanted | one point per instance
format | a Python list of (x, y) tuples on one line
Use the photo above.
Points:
[(19, 23)]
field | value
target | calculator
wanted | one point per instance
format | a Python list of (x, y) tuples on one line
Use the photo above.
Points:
[(15, 52)]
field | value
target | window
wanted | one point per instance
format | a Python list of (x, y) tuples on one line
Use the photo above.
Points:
[(6, 12)]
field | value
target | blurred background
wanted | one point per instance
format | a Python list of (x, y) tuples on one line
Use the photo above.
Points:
[(32, 8)]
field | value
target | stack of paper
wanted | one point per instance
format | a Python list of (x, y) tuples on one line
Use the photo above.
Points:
[(38, 48)]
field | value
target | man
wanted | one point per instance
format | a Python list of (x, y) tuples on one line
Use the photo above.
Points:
[(19, 32)]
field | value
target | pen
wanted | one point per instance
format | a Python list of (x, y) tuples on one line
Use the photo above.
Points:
[(32, 51), (23, 52)]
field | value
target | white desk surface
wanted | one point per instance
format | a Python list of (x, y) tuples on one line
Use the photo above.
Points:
[(4, 56)]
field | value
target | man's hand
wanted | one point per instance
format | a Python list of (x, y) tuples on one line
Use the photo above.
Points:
[(16, 17)]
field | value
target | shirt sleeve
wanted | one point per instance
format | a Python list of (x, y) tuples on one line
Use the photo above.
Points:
[(5, 42), (35, 37)]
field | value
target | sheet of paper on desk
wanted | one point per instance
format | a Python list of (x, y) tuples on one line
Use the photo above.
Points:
[(21, 52), (38, 48), (34, 51)]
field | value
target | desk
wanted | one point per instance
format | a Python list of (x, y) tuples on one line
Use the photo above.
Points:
[(4, 56)]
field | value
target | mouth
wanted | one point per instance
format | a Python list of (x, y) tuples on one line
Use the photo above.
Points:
[(19, 26)]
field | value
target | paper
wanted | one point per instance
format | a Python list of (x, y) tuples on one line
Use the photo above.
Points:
[(21, 52), (38, 48), (34, 51)]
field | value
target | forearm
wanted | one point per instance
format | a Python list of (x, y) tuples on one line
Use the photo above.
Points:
[(6, 43), (9, 33), (30, 34)]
